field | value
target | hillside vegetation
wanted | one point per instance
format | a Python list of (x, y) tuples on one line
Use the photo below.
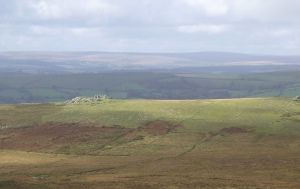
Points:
[(241, 143)]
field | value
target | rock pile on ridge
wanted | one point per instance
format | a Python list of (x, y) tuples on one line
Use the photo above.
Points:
[(297, 98), (82, 100)]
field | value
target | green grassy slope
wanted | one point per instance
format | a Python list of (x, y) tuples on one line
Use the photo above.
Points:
[(239, 143), (264, 114)]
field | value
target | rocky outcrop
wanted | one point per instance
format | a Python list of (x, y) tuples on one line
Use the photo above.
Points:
[(95, 99)]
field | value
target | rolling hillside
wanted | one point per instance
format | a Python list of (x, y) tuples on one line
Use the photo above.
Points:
[(241, 143)]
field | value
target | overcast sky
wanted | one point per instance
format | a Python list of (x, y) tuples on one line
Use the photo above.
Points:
[(249, 26)]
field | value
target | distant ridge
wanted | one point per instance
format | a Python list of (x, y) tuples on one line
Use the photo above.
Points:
[(95, 62)]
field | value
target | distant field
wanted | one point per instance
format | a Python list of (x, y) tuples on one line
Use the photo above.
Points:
[(240, 143), (20, 88)]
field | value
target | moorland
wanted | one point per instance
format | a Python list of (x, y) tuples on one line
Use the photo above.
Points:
[(225, 143)]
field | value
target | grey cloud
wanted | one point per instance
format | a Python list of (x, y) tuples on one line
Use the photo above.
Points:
[(256, 26)]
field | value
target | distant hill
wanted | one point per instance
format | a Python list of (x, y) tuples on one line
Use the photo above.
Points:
[(97, 62), (16, 88)]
